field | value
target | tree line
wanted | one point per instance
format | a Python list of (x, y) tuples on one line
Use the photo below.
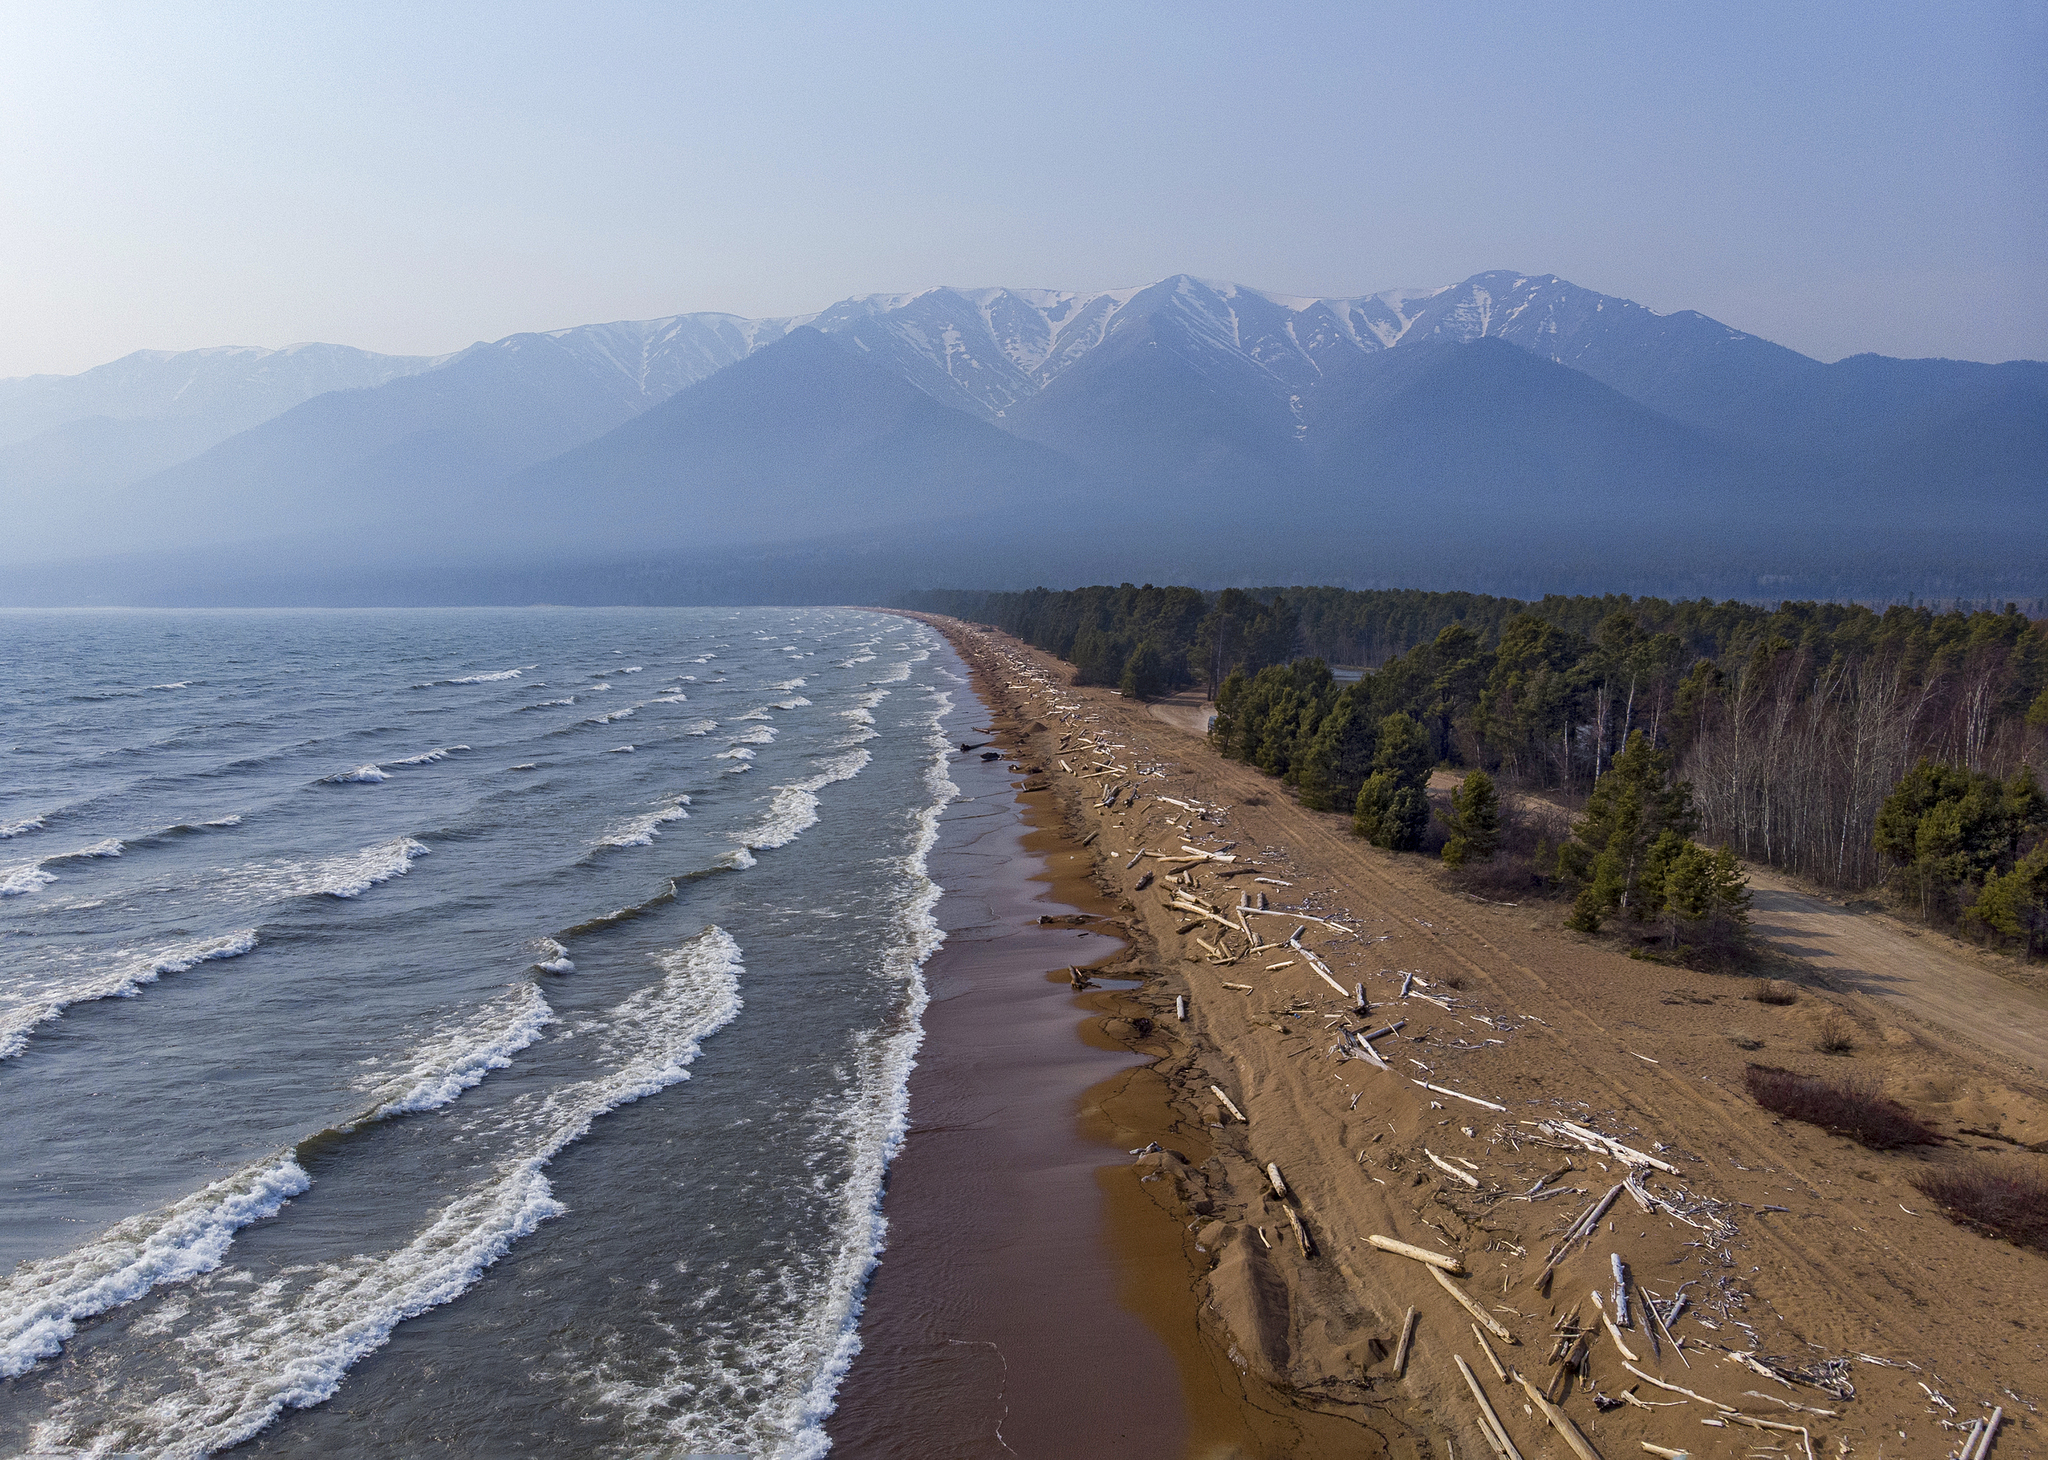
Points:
[(1791, 726)]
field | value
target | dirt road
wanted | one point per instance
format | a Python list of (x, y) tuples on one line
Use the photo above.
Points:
[(1911, 972)]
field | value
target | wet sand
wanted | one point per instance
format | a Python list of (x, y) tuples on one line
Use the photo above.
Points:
[(994, 1324)]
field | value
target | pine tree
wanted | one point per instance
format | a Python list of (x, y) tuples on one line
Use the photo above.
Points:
[(1474, 822), (1392, 810)]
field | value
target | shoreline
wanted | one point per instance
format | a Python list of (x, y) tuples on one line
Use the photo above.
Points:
[(972, 1316), (1791, 1246)]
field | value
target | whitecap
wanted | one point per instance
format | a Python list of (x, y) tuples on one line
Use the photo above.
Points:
[(349, 875), (281, 1345), (121, 973), (640, 831), (457, 1059), (22, 879), (42, 1303), (10, 830), (362, 774), (428, 757)]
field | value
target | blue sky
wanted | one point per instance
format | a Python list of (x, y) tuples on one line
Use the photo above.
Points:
[(412, 178)]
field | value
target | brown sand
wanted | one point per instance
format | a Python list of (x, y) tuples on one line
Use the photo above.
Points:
[(1793, 1247), (989, 1321)]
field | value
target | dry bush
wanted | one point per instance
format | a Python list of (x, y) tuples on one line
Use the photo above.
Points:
[(1257, 798), (1452, 980), (2008, 1204), (1770, 991), (1847, 1107), (1835, 1036)]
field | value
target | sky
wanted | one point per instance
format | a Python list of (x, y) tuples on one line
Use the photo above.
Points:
[(413, 178)]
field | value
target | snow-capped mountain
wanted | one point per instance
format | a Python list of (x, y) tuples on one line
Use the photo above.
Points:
[(988, 350), (232, 387)]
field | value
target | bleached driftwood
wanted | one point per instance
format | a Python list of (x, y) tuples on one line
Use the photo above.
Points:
[(1499, 1369), (1279, 1182), (1444, 1260), (1675, 1389), (1614, 1333), (1489, 1422), (1667, 1454), (1461, 1095), (1180, 1007), (1407, 1340), (1559, 1421), (1442, 1165), (1229, 1104), (1588, 1220), (1486, 1320), (1308, 1247), (1620, 1289)]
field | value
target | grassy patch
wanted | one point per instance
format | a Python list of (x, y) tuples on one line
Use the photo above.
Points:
[(1771, 991), (2001, 1203), (1847, 1107)]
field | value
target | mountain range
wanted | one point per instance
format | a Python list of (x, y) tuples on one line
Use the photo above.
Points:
[(1483, 434)]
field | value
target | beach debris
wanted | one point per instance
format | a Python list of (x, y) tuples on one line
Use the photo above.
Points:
[(1407, 1341), (1442, 1165), (1588, 1222), (1675, 1389), (1448, 1262), (1486, 1320), (1489, 1422), (1279, 1182), (1229, 1104), (1612, 1332), (1621, 1317), (1461, 1095), (1180, 1007), (1559, 1421)]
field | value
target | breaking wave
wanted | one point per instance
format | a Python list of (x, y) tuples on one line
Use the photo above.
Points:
[(124, 971)]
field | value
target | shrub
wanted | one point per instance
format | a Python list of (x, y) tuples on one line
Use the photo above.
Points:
[(1834, 1036), (1770, 991), (2008, 1204), (1846, 1107)]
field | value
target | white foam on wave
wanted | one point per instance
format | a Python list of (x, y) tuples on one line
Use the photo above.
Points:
[(284, 1345), (11, 829), (625, 714), (670, 699), (428, 757), (758, 735), (349, 875), (734, 752), (362, 774), (619, 750), (760, 714), (773, 1388), (789, 684), (42, 1303), (558, 958), (640, 831), (701, 727), (545, 704), (108, 975), (223, 821), (110, 847), (793, 808), (175, 684), (22, 879), (457, 1058), (631, 669), (794, 702), (494, 678)]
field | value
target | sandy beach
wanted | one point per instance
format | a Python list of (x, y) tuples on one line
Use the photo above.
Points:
[(1533, 1075)]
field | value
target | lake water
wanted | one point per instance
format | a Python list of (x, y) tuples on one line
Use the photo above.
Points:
[(472, 1032)]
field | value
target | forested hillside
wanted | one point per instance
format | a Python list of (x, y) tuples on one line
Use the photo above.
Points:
[(1793, 724)]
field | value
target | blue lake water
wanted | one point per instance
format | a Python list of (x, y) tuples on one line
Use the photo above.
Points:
[(468, 1032)]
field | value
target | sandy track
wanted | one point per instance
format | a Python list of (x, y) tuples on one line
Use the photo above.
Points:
[(1912, 972)]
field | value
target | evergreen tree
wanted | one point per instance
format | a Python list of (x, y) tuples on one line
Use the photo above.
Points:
[(1392, 810), (1474, 822), (1338, 758), (1631, 808), (1144, 676)]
